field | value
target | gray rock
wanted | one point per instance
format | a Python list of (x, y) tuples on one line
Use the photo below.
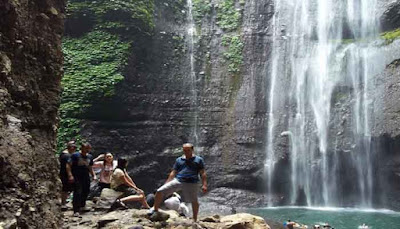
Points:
[(108, 218), (5, 64), (107, 198), (159, 216), (11, 225), (390, 18), (136, 227)]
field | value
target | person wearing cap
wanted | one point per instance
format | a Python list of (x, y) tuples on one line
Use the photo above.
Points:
[(64, 158), (184, 176)]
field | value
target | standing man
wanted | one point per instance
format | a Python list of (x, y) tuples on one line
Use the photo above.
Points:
[(67, 187), (184, 176), (78, 170)]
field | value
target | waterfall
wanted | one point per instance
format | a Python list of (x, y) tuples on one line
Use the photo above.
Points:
[(327, 46), (191, 31), (270, 159)]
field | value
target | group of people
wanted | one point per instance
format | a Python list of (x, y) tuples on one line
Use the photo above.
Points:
[(76, 167), (291, 225)]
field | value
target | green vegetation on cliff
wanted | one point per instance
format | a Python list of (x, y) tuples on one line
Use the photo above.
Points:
[(201, 8), (94, 61), (130, 13), (234, 52), (229, 17), (93, 65)]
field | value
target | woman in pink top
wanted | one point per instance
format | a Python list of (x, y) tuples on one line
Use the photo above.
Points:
[(106, 167)]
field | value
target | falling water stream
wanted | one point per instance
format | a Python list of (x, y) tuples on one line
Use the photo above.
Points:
[(191, 31), (271, 160), (313, 36)]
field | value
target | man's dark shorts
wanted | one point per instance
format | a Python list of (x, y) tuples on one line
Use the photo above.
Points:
[(128, 191), (66, 186)]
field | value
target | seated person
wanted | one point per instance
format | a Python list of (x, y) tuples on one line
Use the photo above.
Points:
[(174, 203), (289, 224), (122, 182)]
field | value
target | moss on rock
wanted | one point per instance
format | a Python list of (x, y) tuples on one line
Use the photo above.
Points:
[(390, 36), (96, 48), (233, 54), (229, 17)]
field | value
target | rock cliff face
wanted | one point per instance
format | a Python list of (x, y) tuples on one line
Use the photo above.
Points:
[(30, 73), (153, 111), (386, 135), (160, 104)]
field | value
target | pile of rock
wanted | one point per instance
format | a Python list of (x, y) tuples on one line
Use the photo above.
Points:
[(101, 217), (138, 219)]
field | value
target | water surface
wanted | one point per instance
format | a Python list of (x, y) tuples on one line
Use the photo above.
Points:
[(339, 218)]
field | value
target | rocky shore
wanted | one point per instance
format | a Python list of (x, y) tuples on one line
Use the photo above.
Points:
[(138, 219), (98, 215)]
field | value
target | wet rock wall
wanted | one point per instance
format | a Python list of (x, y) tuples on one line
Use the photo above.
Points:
[(30, 72)]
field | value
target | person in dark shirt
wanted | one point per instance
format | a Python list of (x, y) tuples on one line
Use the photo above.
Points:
[(184, 176), (64, 158), (78, 169)]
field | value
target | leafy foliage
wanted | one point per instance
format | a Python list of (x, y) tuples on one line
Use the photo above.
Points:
[(94, 60), (228, 17), (234, 53), (70, 130), (201, 8), (93, 65), (127, 12)]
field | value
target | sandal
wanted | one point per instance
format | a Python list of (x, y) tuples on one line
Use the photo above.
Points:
[(121, 204)]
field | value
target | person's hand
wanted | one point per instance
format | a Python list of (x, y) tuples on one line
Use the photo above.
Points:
[(95, 178), (71, 179), (140, 191), (204, 188)]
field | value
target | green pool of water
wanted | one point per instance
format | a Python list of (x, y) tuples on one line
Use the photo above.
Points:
[(339, 218)]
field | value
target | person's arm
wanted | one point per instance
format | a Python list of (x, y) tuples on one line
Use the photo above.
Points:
[(100, 157), (129, 178), (91, 171), (69, 172), (203, 175), (128, 181), (171, 175), (97, 164)]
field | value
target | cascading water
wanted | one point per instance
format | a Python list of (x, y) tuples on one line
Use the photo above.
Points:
[(319, 59), (270, 159), (191, 33)]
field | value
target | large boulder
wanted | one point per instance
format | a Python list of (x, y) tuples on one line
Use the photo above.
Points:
[(107, 199), (390, 18), (243, 221)]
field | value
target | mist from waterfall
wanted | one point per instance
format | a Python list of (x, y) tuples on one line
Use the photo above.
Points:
[(322, 47)]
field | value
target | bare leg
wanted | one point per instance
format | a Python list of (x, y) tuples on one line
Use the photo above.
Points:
[(144, 202), (195, 208), (157, 200), (136, 198), (133, 198)]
